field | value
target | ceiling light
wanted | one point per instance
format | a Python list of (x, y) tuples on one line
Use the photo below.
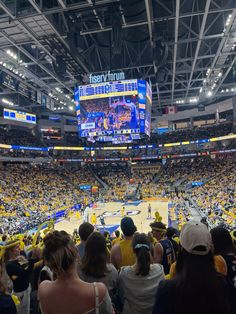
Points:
[(232, 89), (220, 74), (222, 91), (193, 100), (200, 90), (227, 90), (71, 108), (209, 93)]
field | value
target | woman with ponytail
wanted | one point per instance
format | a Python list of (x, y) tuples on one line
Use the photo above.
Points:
[(138, 283)]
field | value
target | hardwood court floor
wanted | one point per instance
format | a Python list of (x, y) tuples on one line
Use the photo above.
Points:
[(140, 218)]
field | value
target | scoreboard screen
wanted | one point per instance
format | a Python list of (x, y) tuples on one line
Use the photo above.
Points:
[(20, 116), (113, 108)]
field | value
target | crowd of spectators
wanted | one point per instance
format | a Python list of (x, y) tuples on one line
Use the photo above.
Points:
[(19, 136), (134, 273), (217, 198), (30, 193), (196, 133)]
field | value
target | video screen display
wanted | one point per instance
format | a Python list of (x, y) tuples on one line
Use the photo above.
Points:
[(107, 115), (20, 116), (113, 108)]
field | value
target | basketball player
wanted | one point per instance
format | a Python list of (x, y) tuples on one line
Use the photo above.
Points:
[(157, 216), (102, 221), (149, 212), (78, 215), (86, 214), (133, 124), (123, 212), (94, 219)]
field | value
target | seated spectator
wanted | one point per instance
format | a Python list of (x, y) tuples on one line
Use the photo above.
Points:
[(68, 293), (163, 250), (85, 229), (122, 254), (224, 246), (197, 287), (94, 266), (138, 283)]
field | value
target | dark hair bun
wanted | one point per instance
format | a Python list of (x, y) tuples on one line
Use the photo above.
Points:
[(56, 240)]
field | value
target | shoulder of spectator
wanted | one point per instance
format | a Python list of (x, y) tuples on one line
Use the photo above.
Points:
[(43, 287), (102, 290)]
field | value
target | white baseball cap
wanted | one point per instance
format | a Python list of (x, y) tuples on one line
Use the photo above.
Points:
[(193, 234)]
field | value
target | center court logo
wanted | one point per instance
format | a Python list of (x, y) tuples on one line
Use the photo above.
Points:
[(118, 213)]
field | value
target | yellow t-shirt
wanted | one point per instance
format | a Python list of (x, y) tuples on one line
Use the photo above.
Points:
[(116, 241), (127, 255), (219, 262)]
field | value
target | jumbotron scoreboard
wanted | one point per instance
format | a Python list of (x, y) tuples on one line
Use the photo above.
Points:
[(111, 109)]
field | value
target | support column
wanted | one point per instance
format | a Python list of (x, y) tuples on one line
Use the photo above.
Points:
[(217, 116), (234, 108), (170, 126), (191, 122)]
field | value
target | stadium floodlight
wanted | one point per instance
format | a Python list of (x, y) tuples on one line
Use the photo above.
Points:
[(7, 102), (209, 93)]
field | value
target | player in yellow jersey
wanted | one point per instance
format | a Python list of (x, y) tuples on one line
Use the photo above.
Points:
[(105, 124), (94, 219), (158, 217), (78, 215), (123, 212)]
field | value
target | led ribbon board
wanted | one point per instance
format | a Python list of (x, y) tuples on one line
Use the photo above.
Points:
[(20, 116)]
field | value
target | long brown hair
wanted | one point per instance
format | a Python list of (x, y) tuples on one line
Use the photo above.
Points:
[(59, 252), (196, 276), (94, 262)]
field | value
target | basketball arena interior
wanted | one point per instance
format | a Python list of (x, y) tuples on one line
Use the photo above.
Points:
[(117, 156)]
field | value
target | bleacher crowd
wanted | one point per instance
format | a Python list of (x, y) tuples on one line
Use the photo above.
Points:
[(30, 194)]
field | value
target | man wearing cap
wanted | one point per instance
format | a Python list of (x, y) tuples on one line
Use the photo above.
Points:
[(163, 250), (122, 254)]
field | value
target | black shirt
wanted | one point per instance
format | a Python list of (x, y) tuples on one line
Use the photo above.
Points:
[(7, 305), (20, 274), (166, 299)]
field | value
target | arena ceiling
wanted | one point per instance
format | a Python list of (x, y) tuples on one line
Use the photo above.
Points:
[(185, 48)]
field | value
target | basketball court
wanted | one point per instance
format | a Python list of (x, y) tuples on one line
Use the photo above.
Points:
[(112, 214)]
